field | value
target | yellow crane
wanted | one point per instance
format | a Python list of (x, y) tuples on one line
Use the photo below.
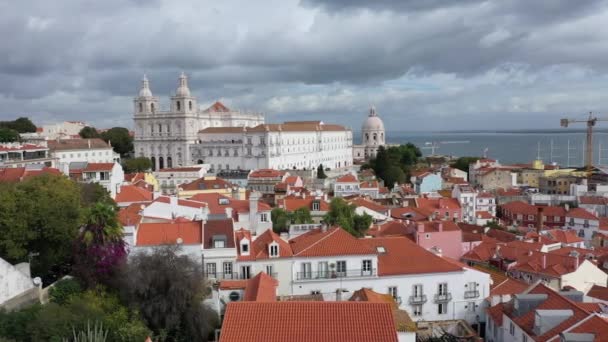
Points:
[(591, 121)]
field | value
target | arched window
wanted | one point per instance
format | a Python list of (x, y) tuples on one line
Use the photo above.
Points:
[(169, 162), (190, 105), (179, 105), (161, 163), (153, 162), (375, 136), (367, 136), (151, 129), (200, 161), (152, 107), (160, 128), (141, 107)]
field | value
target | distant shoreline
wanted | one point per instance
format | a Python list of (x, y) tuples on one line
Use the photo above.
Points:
[(510, 131)]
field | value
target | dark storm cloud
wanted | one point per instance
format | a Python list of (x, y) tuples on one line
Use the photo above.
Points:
[(85, 58)]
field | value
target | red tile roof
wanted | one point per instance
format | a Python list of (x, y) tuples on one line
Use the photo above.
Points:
[(308, 321), (218, 203), (182, 202), (17, 174), (402, 256), (233, 284), (266, 173), (390, 228), (291, 180), (335, 241), (599, 292), (596, 200), (432, 204), (259, 247), (484, 215), (368, 185), (347, 178), (96, 167), (501, 235), (594, 324), (77, 144), (456, 180), (132, 193), (155, 234), (509, 286), (217, 107), (129, 216), (509, 192), (261, 288), (563, 236), (581, 213), (291, 203), (495, 312), (205, 183), (134, 177), (218, 227), (369, 204), (410, 213)]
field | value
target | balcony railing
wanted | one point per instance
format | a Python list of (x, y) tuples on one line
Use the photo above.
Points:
[(421, 299), (330, 274), (471, 294), (443, 297), (233, 276)]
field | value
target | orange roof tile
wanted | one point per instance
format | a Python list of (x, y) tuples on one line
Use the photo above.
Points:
[(17, 174), (390, 228), (595, 200), (347, 178), (154, 234), (218, 227), (233, 284), (368, 185), (205, 183), (335, 241), (308, 321), (217, 107), (130, 216), (594, 324), (132, 193), (369, 204), (291, 203), (509, 286), (484, 215), (261, 288), (581, 213), (77, 144), (95, 167), (410, 213), (432, 204), (599, 292), (495, 312), (402, 256), (266, 173)]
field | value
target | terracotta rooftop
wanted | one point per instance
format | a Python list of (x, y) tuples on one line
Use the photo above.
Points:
[(205, 183), (259, 247), (347, 178), (433, 204), (218, 229), (410, 213), (390, 228), (266, 173), (218, 203), (484, 215), (563, 236), (132, 193), (77, 144), (96, 167), (581, 213), (595, 200), (367, 203), (501, 235), (599, 292), (129, 216), (217, 107), (18, 174), (401, 256), (233, 284), (369, 185), (155, 234), (308, 321), (335, 241), (509, 286), (261, 288), (291, 203)]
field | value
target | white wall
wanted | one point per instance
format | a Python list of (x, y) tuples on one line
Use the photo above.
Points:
[(12, 281), (585, 277)]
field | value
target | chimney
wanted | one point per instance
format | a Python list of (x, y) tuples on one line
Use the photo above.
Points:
[(89, 141), (440, 226), (441, 203), (539, 225), (567, 207), (323, 227), (544, 260), (173, 201), (420, 227), (228, 212), (253, 211), (576, 261)]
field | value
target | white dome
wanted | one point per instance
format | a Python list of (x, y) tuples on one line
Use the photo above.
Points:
[(373, 123), (183, 90), (145, 88)]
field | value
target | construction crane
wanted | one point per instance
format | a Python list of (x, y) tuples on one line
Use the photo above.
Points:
[(591, 121)]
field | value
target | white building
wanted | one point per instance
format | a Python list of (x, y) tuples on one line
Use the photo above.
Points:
[(62, 130), (467, 197), (23, 155), (15, 280), (583, 222), (166, 136), (169, 179), (346, 185), (82, 150), (372, 137), (108, 175), (291, 145)]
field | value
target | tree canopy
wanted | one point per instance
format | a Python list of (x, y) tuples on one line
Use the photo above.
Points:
[(20, 125), (281, 219), (393, 164), (139, 164), (88, 132), (8, 135), (39, 219), (168, 289), (321, 172), (343, 214), (121, 140)]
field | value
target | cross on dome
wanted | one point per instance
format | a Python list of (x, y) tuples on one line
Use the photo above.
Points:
[(372, 111)]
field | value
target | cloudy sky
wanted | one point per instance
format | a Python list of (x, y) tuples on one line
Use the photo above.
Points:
[(424, 64)]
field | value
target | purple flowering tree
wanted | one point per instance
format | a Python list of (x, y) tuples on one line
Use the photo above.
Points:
[(99, 249)]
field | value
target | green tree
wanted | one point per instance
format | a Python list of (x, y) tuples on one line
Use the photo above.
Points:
[(39, 220), (63, 290), (321, 172), (21, 125), (121, 140), (139, 164), (393, 175), (462, 163), (100, 248), (343, 214), (169, 289), (301, 216), (88, 132), (280, 220), (92, 193), (8, 135)]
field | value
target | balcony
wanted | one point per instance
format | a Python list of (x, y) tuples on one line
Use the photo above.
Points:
[(443, 297), (231, 276), (416, 300), (471, 294), (323, 275)]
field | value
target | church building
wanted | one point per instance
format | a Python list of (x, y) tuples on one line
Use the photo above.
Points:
[(372, 137)]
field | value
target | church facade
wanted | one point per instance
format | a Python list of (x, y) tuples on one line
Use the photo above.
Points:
[(166, 136), (372, 137)]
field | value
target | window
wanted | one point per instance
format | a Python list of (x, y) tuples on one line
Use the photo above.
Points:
[(141, 107), (524, 337), (227, 269), (264, 217), (417, 290), (306, 271), (274, 250), (442, 308), (269, 270), (316, 206), (179, 105), (245, 248), (511, 329), (246, 272), (392, 290), (219, 243), (443, 289), (417, 310), (366, 267), (315, 292), (341, 267), (323, 270), (190, 105), (470, 307), (530, 217), (586, 224), (211, 272)]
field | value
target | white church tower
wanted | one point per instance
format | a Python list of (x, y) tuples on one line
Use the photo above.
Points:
[(372, 134)]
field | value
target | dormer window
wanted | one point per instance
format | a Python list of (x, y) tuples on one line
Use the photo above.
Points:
[(316, 206), (245, 247), (273, 250), (219, 241)]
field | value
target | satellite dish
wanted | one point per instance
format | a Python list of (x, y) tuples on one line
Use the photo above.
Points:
[(234, 296), (37, 281), (180, 241)]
